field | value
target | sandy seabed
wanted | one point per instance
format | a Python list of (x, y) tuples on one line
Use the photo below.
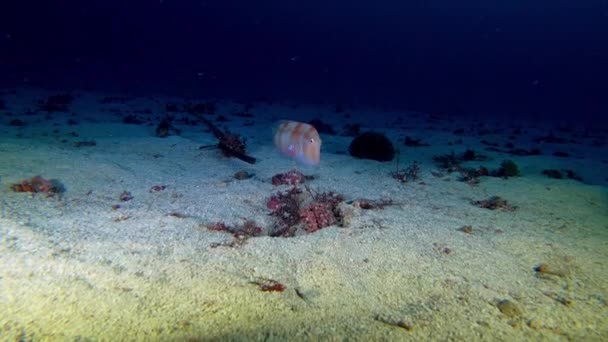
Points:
[(72, 267)]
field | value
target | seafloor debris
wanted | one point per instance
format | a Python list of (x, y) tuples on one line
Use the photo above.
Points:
[(242, 175), (165, 128), (442, 248), (122, 218), (246, 230), (219, 227), (508, 308), (566, 301), (285, 206), (268, 285), (125, 196), (367, 204), (452, 162), (231, 145), (471, 175), (493, 203), (308, 210), (158, 188), (38, 184), (291, 177), (409, 174), (550, 269), (448, 162), (468, 229), (472, 155), (298, 211), (394, 322), (317, 215), (572, 175)]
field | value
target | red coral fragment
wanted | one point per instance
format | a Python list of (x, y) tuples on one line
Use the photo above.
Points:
[(219, 227), (273, 203), (291, 211), (269, 285), (278, 287), (317, 215), (285, 206), (247, 229), (36, 184)]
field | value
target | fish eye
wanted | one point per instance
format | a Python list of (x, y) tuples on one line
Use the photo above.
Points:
[(312, 140)]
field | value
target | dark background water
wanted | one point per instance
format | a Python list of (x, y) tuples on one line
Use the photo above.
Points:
[(544, 59)]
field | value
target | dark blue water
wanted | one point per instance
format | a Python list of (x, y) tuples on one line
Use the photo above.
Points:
[(545, 59)]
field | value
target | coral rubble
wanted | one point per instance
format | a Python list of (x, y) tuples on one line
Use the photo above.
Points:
[(38, 184)]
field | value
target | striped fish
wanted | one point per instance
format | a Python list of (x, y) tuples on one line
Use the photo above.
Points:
[(299, 141)]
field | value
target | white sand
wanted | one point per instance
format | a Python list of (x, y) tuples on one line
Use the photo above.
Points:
[(74, 268)]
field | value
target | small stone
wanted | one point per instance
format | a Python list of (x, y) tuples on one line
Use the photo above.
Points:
[(125, 196), (534, 324), (545, 268), (405, 325), (515, 323), (566, 301), (468, 229), (508, 308), (242, 175)]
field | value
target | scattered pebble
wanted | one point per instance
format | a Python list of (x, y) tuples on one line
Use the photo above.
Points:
[(125, 196), (468, 229), (493, 203), (545, 268), (158, 188), (242, 175), (508, 308), (534, 324), (559, 298)]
